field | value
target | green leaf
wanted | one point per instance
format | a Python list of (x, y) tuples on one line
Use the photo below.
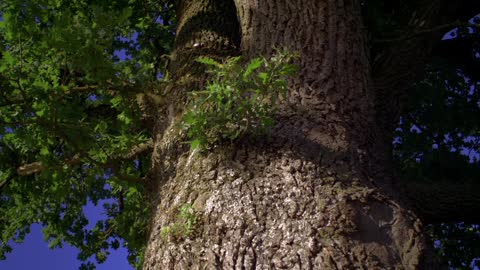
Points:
[(116, 101), (189, 118), (264, 76), (125, 118), (44, 151), (195, 144), (289, 70), (254, 64), (209, 61)]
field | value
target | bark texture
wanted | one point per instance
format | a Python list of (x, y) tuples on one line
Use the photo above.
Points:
[(316, 193)]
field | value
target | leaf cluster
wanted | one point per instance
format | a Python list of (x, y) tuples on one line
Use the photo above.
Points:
[(239, 99), (70, 72), (185, 227), (438, 138), (458, 244)]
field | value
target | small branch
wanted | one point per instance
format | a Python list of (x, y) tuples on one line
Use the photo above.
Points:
[(11, 102), (423, 130), (110, 230), (125, 86), (37, 167), (137, 150), (31, 168), (85, 88), (121, 201), (5, 183), (438, 202), (414, 34), (130, 179)]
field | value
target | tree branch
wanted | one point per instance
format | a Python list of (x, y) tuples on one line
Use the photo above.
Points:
[(396, 65), (442, 201), (432, 30), (125, 86), (30, 168), (5, 183), (137, 150), (37, 167)]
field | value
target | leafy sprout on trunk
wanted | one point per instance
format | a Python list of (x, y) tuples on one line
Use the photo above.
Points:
[(240, 98)]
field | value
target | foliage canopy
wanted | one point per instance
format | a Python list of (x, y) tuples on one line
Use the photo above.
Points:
[(70, 73)]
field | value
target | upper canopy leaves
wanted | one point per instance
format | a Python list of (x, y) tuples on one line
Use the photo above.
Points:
[(69, 73)]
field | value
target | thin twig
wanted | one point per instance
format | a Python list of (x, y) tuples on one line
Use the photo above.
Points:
[(420, 32)]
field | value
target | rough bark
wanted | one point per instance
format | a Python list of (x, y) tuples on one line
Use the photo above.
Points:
[(315, 194)]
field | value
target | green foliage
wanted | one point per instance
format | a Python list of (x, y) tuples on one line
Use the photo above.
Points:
[(238, 99), (440, 128), (458, 244), (438, 139), (68, 101), (185, 227)]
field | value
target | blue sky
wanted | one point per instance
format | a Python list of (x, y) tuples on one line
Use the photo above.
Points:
[(34, 253)]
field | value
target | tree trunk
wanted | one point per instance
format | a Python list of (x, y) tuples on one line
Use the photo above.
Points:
[(317, 193)]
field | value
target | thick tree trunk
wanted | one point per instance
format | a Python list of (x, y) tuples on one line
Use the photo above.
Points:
[(315, 194)]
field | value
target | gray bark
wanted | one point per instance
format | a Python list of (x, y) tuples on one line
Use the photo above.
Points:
[(317, 192)]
